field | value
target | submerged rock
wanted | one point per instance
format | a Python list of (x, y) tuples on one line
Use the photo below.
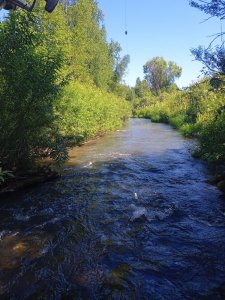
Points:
[(139, 214)]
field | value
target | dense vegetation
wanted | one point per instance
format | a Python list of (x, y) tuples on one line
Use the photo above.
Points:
[(60, 83), (198, 110)]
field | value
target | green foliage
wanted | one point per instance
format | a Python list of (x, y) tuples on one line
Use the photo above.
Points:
[(91, 61), (207, 110), (198, 111), (41, 115), (143, 95), (119, 63), (142, 88), (28, 90), (213, 58), (161, 74), (86, 111), (212, 139)]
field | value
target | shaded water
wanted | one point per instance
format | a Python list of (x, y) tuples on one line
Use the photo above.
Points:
[(131, 218)]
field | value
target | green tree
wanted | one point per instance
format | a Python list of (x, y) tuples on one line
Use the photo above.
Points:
[(56, 37), (161, 74), (142, 88), (28, 90), (120, 64), (91, 59)]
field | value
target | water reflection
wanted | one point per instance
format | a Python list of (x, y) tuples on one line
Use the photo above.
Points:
[(132, 218)]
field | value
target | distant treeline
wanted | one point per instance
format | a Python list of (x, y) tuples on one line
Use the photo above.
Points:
[(198, 111), (60, 82)]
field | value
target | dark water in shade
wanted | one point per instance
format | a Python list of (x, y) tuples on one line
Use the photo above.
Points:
[(131, 218)]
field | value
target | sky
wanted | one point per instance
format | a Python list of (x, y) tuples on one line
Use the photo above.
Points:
[(167, 28)]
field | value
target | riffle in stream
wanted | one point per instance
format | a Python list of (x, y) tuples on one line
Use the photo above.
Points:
[(132, 217)]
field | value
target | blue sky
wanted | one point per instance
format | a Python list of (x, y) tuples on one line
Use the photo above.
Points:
[(168, 28)]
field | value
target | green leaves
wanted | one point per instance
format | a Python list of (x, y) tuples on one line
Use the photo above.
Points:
[(161, 74), (40, 113), (87, 111), (4, 174), (91, 61), (197, 111), (28, 90)]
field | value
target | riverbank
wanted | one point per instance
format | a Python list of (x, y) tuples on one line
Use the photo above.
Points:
[(24, 180), (217, 169), (218, 177), (31, 178), (133, 212), (198, 112)]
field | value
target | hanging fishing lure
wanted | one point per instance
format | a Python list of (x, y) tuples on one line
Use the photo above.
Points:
[(125, 17)]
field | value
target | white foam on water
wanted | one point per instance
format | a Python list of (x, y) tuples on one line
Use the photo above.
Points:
[(90, 164), (138, 212)]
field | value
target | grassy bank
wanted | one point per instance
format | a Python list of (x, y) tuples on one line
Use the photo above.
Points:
[(197, 111)]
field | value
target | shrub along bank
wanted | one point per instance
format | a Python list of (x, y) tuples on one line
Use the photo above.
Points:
[(85, 111), (60, 83), (198, 111)]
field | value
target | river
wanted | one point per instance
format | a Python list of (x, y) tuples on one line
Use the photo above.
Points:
[(132, 217)]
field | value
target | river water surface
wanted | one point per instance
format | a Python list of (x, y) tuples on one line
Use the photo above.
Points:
[(132, 217)]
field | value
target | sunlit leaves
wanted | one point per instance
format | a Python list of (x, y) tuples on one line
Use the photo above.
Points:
[(87, 111), (161, 74), (28, 90)]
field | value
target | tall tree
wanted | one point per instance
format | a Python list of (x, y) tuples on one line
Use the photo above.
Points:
[(28, 90), (56, 37), (142, 88), (161, 74), (120, 64), (91, 55)]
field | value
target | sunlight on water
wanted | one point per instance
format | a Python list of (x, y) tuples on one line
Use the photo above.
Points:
[(132, 217)]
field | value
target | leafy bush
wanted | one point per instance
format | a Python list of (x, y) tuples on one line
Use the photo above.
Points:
[(28, 90), (212, 140), (195, 112), (86, 111)]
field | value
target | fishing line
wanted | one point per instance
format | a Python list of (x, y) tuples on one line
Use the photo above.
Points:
[(221, 32), (126, 39), (125, 16)]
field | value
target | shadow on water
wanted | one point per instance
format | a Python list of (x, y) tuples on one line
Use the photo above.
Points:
[(129, 219)]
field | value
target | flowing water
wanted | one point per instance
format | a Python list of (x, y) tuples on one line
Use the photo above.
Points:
[(132, 217)]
